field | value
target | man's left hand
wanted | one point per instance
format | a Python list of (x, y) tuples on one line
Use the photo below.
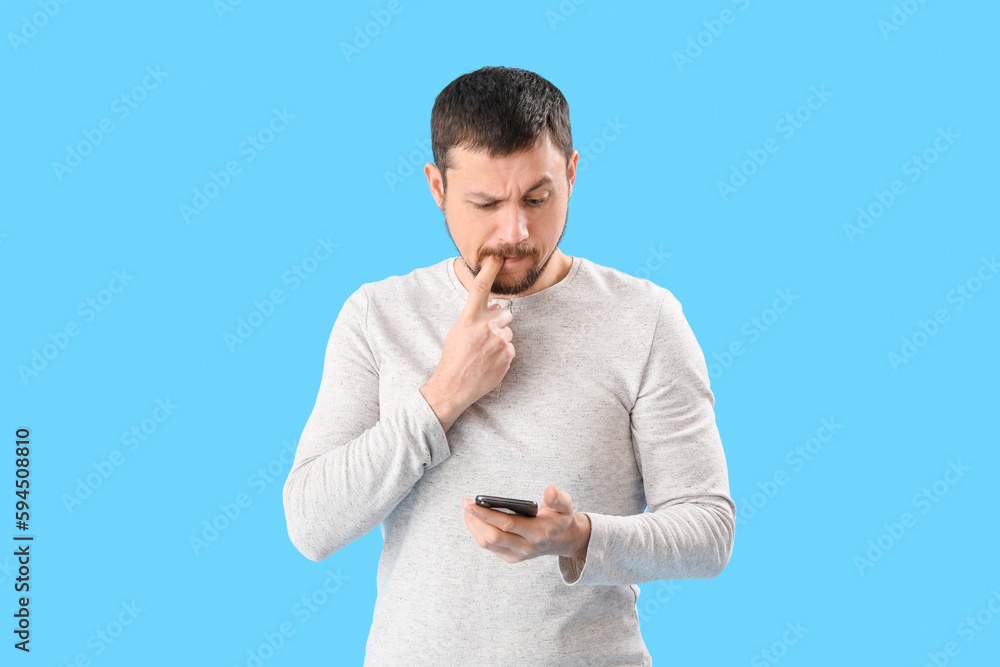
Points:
[(558, 530)]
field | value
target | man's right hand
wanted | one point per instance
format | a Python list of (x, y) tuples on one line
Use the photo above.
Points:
[(477, 351)]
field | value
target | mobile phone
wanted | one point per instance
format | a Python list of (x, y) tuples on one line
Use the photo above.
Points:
[(522, 507)]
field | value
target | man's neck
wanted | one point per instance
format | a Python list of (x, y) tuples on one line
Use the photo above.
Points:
[(557, 269)]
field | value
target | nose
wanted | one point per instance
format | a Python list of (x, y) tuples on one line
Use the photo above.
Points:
[(514, 225)]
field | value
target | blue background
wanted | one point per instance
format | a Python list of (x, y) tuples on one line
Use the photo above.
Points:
[(695, 93)]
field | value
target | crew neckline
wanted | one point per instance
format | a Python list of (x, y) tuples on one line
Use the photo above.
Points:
[(520, 301)]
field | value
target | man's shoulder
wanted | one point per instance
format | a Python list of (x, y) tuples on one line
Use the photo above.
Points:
[(616, 286), (637, 304), (422, 281)]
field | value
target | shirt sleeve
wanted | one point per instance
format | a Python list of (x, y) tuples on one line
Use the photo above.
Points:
[(353, 465), (690, 527)]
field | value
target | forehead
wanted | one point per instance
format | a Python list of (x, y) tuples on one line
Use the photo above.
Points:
[(476, 170)]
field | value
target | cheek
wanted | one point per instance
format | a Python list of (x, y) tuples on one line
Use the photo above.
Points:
[(467, 234), (549, 216), (559, 212)]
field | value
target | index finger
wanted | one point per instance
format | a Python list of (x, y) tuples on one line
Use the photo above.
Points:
[(508, 523), (479, 294)]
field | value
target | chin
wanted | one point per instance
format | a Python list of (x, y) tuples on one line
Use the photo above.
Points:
[(505, 290)]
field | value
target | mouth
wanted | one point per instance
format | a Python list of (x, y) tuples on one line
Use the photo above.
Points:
[(511, 260)]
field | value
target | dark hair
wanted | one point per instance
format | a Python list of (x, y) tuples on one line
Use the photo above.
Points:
[(502, 110)]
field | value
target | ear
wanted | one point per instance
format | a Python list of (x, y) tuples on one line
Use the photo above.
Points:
[(434, 182), (571, 171)]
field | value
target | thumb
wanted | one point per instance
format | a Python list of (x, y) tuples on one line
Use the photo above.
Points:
[(558, 500)]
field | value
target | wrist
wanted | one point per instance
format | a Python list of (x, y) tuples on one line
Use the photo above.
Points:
[(582, 541), (441, 403)]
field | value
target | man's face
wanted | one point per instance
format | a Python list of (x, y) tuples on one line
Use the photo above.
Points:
[(514, 207)]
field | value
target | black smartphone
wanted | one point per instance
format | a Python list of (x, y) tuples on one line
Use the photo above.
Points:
[(522, 507)]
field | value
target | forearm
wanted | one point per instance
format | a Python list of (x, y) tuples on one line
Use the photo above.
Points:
[(335, 497), (682, 541)]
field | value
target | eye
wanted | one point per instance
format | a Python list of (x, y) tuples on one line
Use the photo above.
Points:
[(537, 202), (484, 206)]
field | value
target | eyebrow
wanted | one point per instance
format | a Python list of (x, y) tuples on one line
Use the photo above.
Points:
[(547, 180)]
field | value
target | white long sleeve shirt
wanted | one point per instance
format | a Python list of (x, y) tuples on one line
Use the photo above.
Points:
[(607, 397)]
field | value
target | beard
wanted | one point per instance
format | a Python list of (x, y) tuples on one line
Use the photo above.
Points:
[(522, 278)]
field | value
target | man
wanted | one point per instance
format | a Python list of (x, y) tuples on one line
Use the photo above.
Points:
[(424, 404)]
